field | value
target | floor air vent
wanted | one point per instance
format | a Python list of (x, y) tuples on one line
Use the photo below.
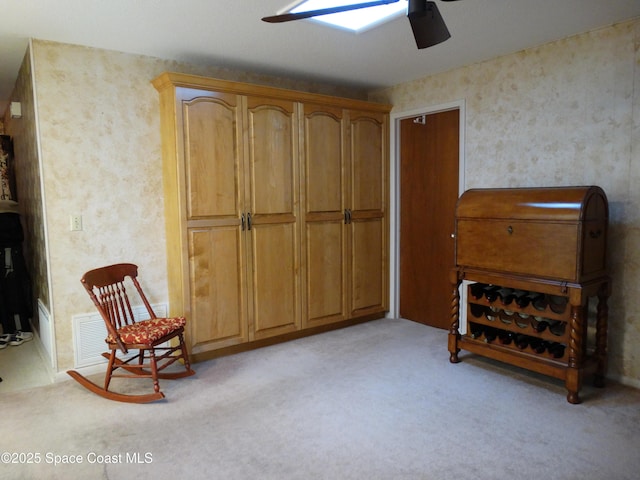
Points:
[(89, 333)]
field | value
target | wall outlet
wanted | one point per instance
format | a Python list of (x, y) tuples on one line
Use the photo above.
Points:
[(76, 223)]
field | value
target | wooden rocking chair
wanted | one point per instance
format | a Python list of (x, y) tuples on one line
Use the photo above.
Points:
[(106, 287)]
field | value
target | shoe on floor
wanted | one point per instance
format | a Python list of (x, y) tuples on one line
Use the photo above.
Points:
[(3, 342), (19, 338), (26, 336)]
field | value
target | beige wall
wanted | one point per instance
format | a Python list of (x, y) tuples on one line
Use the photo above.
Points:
[(566, 113), (563, 113), (99, 136)]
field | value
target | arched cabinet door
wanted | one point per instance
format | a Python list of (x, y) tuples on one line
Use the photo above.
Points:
[(273, 203), (368, 216), (324, 215), (214, 175)]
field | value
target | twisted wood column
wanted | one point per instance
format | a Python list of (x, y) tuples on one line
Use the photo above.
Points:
[(575, 361), (454, 332)]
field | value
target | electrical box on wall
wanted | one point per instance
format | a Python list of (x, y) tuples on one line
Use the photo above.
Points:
[(75, 223), (15, 109)]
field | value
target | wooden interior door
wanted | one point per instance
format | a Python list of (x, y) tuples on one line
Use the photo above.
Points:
[(429, 159)]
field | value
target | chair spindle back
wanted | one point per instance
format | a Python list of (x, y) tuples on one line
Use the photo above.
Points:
[(106, 288), (115, 302)]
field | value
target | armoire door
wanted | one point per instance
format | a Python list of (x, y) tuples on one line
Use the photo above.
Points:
[(367, 193), (214, 177), (324, 184), (429, 164), (272, 217)]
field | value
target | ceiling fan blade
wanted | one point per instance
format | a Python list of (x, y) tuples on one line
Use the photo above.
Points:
[(427, 24), (287, 17)]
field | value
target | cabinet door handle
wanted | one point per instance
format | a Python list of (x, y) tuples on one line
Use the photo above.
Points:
[(349, 215), (242, 222), (248, 220), (509, 229), (346, 216)]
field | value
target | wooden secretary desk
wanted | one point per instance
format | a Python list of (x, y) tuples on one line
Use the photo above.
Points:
[(531, 260)]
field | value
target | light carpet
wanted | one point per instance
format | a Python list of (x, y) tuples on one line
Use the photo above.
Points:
[(378, 400)]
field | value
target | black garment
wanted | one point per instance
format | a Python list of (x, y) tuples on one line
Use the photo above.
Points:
[(15, 284)]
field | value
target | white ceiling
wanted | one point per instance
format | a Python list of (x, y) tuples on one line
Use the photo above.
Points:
[(230, 33)]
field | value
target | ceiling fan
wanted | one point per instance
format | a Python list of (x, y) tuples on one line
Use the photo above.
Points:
[(426, 22)]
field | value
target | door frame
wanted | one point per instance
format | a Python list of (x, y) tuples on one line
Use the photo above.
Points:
[(394, 188)]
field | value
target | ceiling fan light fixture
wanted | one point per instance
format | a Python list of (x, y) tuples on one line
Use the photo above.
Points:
[(358, 17), (427, 24)]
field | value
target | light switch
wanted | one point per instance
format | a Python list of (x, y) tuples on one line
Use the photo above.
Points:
[(16, 109)]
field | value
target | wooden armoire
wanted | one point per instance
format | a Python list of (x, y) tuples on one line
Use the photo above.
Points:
[(276, 209)]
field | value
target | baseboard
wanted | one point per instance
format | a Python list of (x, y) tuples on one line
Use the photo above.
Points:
[(265, 342), (85, 371), (44, 355), (46, 334), (624, 380)]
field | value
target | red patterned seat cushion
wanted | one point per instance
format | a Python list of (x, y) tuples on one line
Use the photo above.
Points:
[(148, 331)]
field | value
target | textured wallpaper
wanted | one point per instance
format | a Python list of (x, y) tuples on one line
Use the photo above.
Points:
[(99, 124), (565, 113)]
